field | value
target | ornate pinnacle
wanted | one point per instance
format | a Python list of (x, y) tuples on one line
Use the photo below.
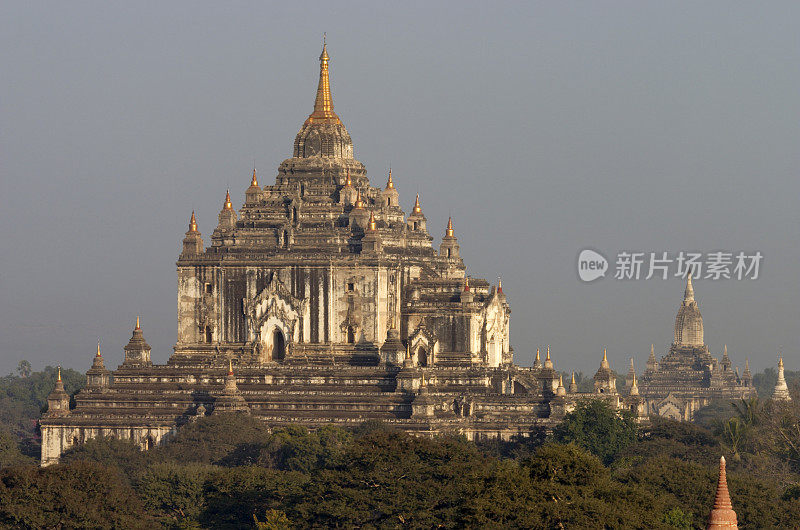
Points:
[(499, 285), (230, 367), (59, 375), (466, 283), (193, 223), (323, 104), (137, 323), (372, 226), (390, 183), (359, 203), (722, 515), (98, 349), (688, 294), (348, 182), (417, 208), (228, 205), (254, 182), (449, 231)]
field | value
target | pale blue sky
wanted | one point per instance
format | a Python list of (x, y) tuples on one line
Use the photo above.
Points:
[(542, 127)]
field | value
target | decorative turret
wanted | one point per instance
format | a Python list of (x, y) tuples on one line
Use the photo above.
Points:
[(573, 386), (192, 243), (500, 292), (605, 381), (230, 400), (547, 376), (548, 363), (390, 196), (137, 351), (652, 364), (358, 215), (392, 350), (449, 247), (747, 376), (561, 391), (722, 515), (371, 242), (689, 322), (781, 392), (537, 362), (466, 295), (634, 386), (416, 219), (98, 377), (726, 361), (348, 193), (253, 193), (227, 217), (58, 399)]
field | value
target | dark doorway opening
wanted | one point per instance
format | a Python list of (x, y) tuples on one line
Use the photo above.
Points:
[(278, 345)]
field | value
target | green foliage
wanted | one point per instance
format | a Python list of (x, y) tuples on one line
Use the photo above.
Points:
[(273, 520), (111, 452), (78, 495), (295, 448), (175, 490), (24, 368), (598, 428), (231, 439), (677, 518), (10, 455)]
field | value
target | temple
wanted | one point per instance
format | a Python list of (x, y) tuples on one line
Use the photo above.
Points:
[(688, 377), (320, 300)]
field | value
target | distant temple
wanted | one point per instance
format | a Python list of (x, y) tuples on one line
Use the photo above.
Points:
[(321, 302), (688, 377)]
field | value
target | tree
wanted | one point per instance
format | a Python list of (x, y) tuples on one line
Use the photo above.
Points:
[(273, 520), (24, 368), (598, 428), (10, 455)]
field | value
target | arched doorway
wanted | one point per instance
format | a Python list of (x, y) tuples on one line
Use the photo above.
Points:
[(351, 335), (422, 357), (278, 345)]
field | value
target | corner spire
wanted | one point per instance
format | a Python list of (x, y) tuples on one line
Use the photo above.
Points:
[(449, 230), (499, 285), (323, 104), (254, 181), (230, 367), (417, 208), (228, 204), (372, 226), (193, 223), (98, 349), (390, 182), (137, 323), (359, 203), (348, 182), (604, 362), (59, 375)]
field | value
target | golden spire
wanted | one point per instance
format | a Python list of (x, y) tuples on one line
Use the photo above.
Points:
[(59, 374), (390, 183), (372, 226), (193, 223), (417, 209), (254, 182), (537, 355), (449, 231), (359, 203), (323, 105), (408, 350), (466, 283), (230, 367), (499, 285), (604, 362), (348, 182), (137, 322), (780, 362), (228, 205), (548, 353), (573, 378), (98, 349)]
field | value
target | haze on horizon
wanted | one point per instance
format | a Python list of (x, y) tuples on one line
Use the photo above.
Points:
[(543, 129)]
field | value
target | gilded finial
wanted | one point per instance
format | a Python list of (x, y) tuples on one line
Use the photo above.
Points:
[(98, 349), (390, 183), (323, 104), (137, 322), (228, 205), (372, 226), (359, 203), (780, 362), (548, 353), (537, 355), (59, 374), (449, 231), (408, 350), (573, 378), (193, 223), (254, 182), (230, 367), (605, 356), (417, 208), (348, 182), (466, 283), (499, 285)]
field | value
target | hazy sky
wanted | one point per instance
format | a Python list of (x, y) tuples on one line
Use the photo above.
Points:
[(543, 128)]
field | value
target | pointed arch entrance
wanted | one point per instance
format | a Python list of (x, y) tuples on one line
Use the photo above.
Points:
[(278, 345)]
